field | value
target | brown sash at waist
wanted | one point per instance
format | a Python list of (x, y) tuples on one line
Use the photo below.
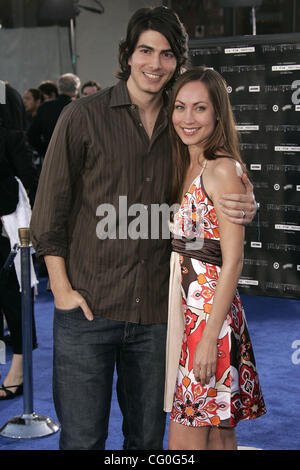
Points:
[(202, 249)]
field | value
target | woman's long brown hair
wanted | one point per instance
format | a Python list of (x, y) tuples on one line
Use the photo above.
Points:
[(225, 137)]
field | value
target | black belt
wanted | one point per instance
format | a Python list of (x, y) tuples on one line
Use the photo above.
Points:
[(202, 249)]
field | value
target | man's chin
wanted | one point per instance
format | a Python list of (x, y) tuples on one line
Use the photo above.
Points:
[(154, 90)]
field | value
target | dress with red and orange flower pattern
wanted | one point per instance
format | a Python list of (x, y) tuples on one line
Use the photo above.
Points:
[(234, 392)]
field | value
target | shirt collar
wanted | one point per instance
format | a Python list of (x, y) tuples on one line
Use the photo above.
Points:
[(120, 95)]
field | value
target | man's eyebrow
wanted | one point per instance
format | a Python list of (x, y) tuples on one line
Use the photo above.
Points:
[(144, 46)]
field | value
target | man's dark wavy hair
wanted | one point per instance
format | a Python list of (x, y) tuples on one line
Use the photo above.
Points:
[(161, 19)]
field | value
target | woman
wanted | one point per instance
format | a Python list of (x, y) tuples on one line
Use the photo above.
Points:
[(216, 379), (10, 295), (15, 160)]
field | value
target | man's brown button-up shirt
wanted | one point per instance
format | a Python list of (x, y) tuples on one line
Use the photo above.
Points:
[(99, 164)]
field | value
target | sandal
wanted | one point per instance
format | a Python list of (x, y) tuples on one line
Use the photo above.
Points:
[(10, 395)]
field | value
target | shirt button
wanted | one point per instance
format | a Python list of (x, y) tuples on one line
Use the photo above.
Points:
[(137, 300), (133, 106), (140, 124), (148, 179)]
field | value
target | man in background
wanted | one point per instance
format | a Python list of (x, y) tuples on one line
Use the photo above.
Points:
[(43, 124), (48, 90), (90, 87), (32, 99)]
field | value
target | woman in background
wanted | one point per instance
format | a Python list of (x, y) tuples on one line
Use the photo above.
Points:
[(15, 161)]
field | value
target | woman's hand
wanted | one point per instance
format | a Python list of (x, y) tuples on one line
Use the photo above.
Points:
[(205, 359)]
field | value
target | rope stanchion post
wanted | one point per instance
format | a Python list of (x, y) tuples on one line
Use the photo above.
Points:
[(28, 425), (26, 321)]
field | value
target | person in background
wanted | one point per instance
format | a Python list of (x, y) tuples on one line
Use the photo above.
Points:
[(48, 89), (32, 99), (90, 87), (43, 124), (14, 143), (212, 381), (12, 113), (15, 160)]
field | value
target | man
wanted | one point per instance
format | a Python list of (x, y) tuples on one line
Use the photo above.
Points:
[(111, 150), (32, 99), (48, 89), (90, 87), (41, 129)]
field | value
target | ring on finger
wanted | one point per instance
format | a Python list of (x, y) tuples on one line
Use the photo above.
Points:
[(243, 213)]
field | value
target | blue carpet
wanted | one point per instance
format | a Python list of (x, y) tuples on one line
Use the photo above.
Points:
[(274, 325)]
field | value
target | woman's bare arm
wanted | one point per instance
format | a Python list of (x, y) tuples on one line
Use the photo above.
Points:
[(221, 179)]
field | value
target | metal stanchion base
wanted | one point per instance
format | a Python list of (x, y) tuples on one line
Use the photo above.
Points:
[(29, 427)]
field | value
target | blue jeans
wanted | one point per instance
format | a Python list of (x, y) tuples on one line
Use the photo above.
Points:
[(85, 355)]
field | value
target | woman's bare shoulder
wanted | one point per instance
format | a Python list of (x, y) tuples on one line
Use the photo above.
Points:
[(226, 167)]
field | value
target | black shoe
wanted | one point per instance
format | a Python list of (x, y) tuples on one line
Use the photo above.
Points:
[(10, 395)]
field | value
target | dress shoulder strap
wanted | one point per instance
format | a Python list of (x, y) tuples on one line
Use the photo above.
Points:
[(203, 168)]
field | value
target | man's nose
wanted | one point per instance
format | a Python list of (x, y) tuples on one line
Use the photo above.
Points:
[(156, 61)]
